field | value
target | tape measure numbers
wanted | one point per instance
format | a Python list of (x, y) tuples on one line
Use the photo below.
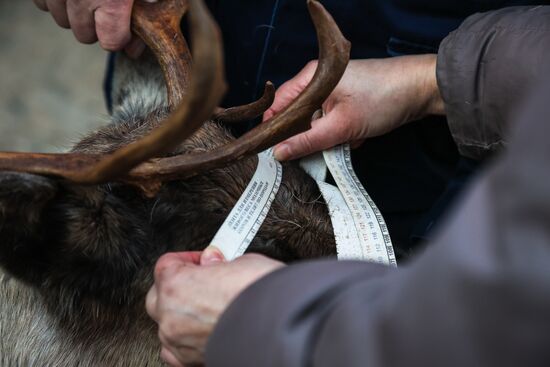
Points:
[(371, 228), (248, 215), (359, 227)]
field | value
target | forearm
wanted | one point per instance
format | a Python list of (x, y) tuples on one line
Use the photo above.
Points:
[(434, 101)]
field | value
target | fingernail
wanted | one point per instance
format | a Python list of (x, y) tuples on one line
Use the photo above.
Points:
[(281, 152), (212, 255)]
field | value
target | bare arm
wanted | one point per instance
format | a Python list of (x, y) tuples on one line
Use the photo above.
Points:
[(484, 70), (373, 98)]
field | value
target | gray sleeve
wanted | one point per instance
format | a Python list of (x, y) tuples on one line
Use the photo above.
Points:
[(478, 296), (484, 70)]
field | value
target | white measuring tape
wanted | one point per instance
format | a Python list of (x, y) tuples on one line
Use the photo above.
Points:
[(248, 215), (374, 238), (359, 228)]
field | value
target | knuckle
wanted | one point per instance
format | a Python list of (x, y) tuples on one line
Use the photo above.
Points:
[(85, 37), (61, 19), (119, 4), (306, 143), (344, 129), (113, 27), (163, 263), (168, 333)]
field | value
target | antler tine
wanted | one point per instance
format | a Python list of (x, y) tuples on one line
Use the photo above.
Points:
[(334, 52), (249, 111), (206, 90)]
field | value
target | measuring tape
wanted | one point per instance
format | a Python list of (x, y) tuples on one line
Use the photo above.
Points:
[(348, 244), (359, 228), (248, 215), (374, 237)]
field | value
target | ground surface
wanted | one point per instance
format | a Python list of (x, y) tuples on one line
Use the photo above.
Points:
[(50, 85)]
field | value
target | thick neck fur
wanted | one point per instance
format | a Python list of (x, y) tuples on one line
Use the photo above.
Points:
[(77, 260)]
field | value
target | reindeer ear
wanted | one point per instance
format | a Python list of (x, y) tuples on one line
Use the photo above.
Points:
[(23, 201)]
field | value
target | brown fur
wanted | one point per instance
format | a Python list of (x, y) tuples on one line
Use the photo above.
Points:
[(76, 262)]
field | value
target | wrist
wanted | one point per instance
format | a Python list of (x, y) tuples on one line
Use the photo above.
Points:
[(434, 104)]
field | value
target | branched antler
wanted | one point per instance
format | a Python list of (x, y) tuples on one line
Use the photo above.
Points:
[(249, 111), (158, 25)]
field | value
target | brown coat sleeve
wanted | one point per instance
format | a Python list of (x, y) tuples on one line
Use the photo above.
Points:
[(485, 68), (478, 296)]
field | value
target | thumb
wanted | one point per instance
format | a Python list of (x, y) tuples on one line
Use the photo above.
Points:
[(325, 133), (211, 255)]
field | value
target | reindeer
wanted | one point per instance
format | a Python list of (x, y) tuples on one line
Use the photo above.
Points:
[(80, 232)]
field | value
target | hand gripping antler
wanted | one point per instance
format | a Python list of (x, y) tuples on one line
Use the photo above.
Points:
[(205, 91), (334, 52)]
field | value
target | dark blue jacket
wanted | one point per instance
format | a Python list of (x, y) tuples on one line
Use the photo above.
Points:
[(273, 39), (412, 173)]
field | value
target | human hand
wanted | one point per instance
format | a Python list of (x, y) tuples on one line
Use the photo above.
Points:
[(91, 20), (374, 97), (191, 291)]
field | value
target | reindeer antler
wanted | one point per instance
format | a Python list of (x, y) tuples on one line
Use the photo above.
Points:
[(334, 52), (206, 89), (249, 111), (158, 24)]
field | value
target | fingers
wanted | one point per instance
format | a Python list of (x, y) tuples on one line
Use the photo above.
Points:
[(166, 267), (41, 4), (288, 92), (58, 10), (91, 20), (325, 133), (170, 262), (112, 22), (169, 358), (82, 21), (211, 255)]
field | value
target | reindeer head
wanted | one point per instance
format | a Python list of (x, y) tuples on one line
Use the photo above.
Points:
[(95, 220)]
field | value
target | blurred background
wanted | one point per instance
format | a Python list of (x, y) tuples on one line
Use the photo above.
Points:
[(50, 85)]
